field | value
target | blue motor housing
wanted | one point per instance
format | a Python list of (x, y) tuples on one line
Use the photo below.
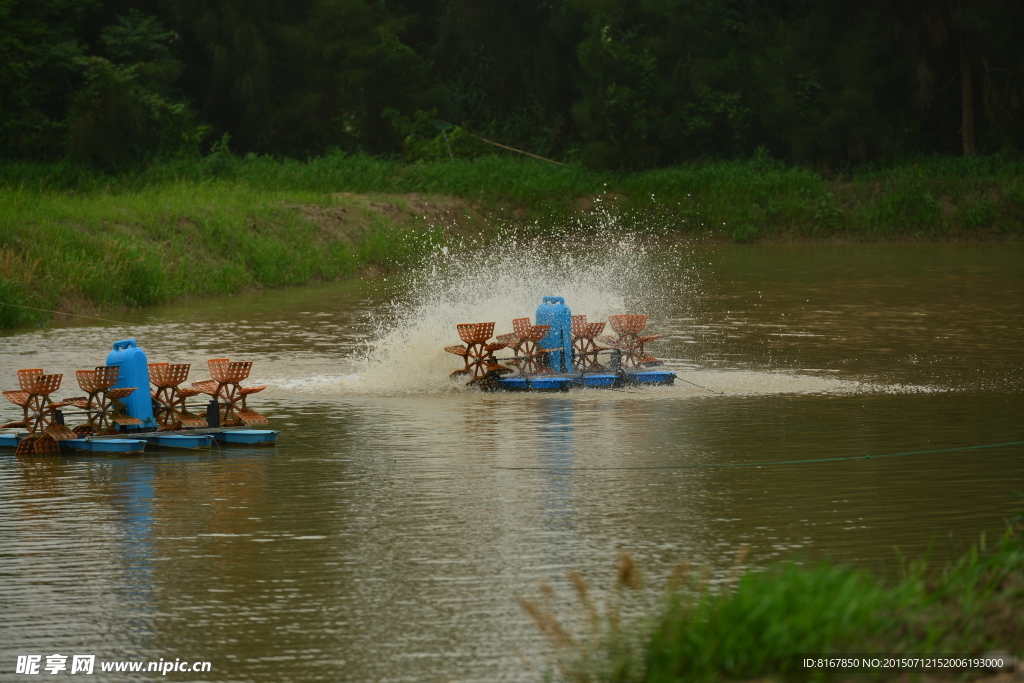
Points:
[(134, 372), (553, 311)]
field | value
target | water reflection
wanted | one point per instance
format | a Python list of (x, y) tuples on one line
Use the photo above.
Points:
[(133, 499), (557, 455)]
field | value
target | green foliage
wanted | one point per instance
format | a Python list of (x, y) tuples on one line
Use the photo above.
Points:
[(137, 39), (977, 215), (770, 617), (346, 64), (123, 113), (756, 627), (972, 605), (117, 121), (650, 99), (827, 215), (17, 303), (426, 138), (38, 61), (616, 118), (385, 245), (612, 84), (508, 70), (905, 202), (150, 245)]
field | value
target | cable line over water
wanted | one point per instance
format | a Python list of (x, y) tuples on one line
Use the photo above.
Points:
[(771, 462), (75, 315)]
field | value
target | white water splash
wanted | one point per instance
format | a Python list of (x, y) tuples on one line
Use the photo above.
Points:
[(598, 276)]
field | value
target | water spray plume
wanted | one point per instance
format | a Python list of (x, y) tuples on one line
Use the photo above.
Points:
[(598, 275)]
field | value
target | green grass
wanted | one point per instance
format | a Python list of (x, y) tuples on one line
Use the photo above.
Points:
[(770, 617), (72, 236), (742, 200), (756, 626), (101, 250)]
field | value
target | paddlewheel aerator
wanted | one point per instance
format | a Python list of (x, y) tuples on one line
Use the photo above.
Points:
[(560, 352), (226, 389), (629, 340), (169, 399), (476, 350), (122, 419)]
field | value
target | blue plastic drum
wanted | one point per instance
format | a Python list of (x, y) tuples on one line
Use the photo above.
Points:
[(134, 372), (553, 311)]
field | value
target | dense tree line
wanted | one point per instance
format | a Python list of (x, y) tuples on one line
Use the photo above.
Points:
[(611, 83)]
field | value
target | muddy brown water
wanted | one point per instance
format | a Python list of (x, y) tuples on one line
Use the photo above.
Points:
[(388, 534)]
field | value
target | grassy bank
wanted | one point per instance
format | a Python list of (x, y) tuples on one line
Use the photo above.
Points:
[(755, 626), (935, 197), (100, 250), (73, 238)]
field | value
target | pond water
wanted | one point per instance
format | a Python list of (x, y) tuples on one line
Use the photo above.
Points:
[(388, 534)]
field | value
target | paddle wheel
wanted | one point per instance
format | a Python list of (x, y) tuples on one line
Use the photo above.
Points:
[(493, 370), (629, 340), (103, 407), (585, 348), (39, 412), (530, 358), (169, 399), (476, 350), (226, 389)]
